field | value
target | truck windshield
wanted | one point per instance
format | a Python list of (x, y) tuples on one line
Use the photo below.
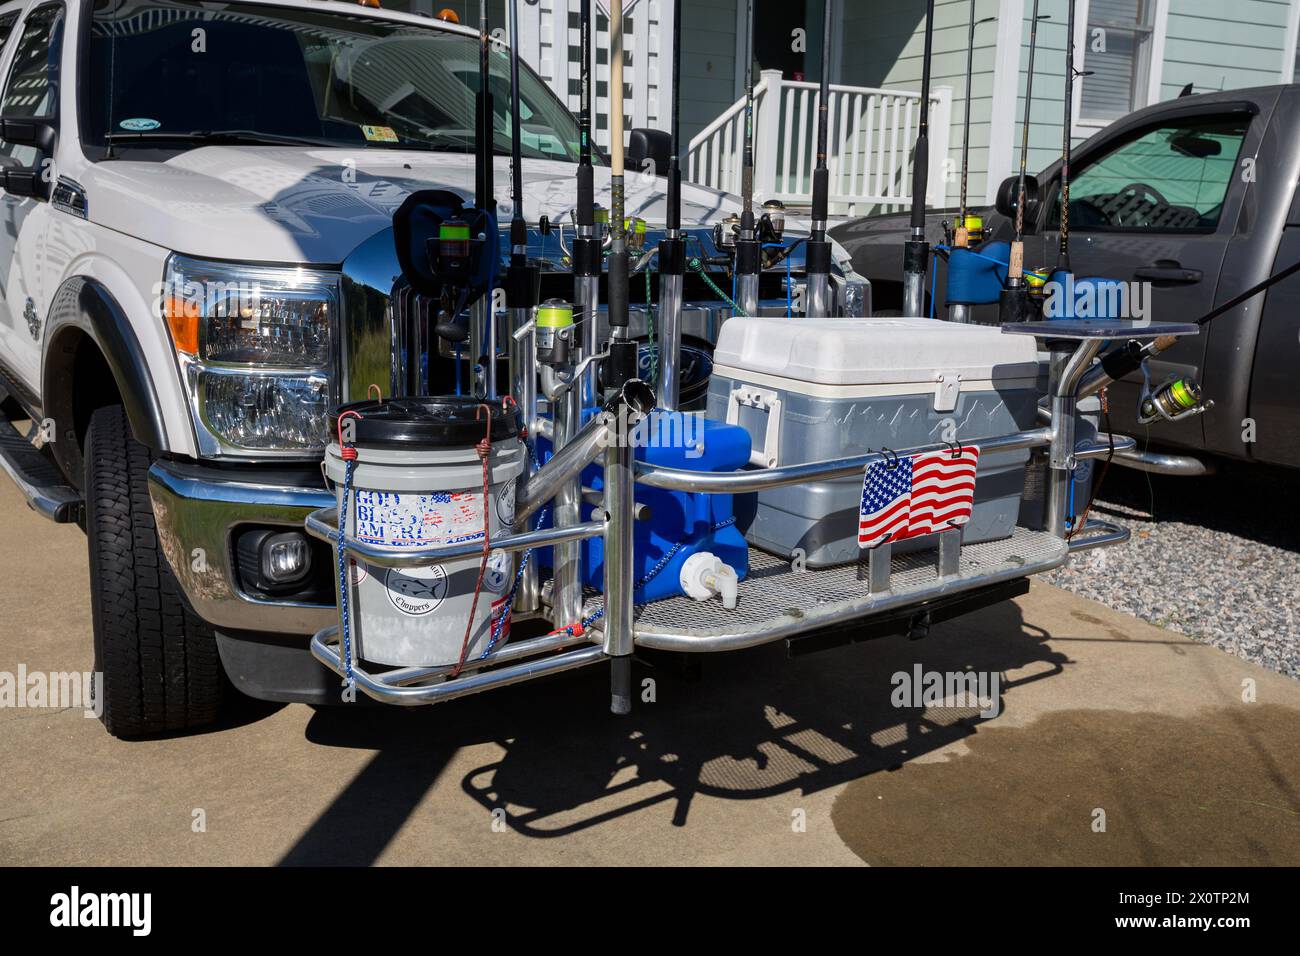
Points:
[(178, 74)]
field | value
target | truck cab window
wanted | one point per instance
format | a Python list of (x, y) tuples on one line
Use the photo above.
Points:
[(1173, 178), (32, 88), (178, 74)]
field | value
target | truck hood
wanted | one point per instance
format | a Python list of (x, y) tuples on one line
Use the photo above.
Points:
[(314, 206)]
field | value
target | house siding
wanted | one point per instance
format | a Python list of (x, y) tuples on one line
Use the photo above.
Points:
[(1220, 46), (708, 62), (888, 50)]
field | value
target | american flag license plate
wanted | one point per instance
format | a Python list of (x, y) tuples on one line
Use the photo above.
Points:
[(917, 494)]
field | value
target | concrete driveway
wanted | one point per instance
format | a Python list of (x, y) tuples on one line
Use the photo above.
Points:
[(1117, 742)]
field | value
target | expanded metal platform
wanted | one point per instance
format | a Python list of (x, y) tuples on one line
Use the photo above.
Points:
[(775, 601)]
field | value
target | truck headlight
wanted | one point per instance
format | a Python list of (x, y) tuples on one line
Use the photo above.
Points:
[(255, 346)]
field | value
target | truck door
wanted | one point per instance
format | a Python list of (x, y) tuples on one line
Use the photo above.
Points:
[(1156, 208), (1275, 381), (30, 90)]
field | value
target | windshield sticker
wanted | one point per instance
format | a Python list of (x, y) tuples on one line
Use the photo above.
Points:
[(139, 124), (379, 134)]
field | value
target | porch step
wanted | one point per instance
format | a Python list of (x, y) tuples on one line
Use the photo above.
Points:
[(41, 483)]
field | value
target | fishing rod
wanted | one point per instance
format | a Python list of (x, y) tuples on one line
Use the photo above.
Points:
[(960, 311), (587, 246), (1013, 303), (817, 255), (1063, 255), (449, 325), (565, 337), (961, 234), (1128, 358), (747, 245), (672, 247), (483, 145), (916, 251), (620, 369), (522, 279), (618, 254)]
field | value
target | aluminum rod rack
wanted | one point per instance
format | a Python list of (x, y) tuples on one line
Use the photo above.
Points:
[(737, 482)]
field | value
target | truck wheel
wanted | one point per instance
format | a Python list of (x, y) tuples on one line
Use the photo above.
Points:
[(159, 662)]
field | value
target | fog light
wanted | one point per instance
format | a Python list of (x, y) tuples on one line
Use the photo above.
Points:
[(286, 557)]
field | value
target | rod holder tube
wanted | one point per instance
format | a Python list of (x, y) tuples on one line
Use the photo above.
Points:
[(818, 294), (567, 594), (628, 405), (619, 582), (747, 293), (478, 367), (916, 258), (1069, 363), (522, 357), (672, 261)]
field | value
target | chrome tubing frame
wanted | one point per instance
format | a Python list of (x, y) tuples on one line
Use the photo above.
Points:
[(566, 597), (668, 390), (522, 354), (377, 687)]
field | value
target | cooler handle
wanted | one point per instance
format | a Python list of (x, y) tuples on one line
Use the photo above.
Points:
[(765, 401)]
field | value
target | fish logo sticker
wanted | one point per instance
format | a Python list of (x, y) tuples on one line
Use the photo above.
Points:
[(506, 503), (416, 591), (497, 575), (139, 124)]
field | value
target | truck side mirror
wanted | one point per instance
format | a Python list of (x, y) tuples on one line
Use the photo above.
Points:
[(29, 182), (30, 131), (650, 144), (1009, 194)]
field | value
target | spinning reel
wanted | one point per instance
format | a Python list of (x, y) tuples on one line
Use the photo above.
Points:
[(448, 252), (1173, 401)]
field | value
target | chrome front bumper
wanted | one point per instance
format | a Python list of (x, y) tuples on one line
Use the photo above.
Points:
[(196, 508)]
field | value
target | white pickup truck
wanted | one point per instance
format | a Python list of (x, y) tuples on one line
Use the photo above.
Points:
[(198, 265)]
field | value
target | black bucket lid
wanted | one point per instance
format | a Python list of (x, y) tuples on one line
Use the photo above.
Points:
[(434, 421)]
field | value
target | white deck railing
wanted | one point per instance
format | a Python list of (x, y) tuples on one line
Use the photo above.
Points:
[(871, 138)]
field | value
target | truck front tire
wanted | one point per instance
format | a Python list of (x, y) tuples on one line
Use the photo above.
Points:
[(159, 664)]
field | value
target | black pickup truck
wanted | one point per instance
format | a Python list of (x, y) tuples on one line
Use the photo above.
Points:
[(1196, 200)]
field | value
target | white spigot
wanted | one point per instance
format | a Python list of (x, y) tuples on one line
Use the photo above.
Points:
[(704, 575)]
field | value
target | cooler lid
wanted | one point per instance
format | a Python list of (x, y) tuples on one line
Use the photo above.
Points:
[(436, 421), (873, 351)]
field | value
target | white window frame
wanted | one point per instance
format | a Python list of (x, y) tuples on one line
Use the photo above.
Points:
[(1085, 126)]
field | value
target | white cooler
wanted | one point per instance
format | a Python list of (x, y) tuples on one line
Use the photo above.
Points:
[(816, 389)]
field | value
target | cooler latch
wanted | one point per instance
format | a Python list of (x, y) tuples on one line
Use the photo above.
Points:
[(764, 401), (946, 390)]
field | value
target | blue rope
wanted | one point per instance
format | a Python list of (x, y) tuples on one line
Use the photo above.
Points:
[(344, 623), (510, 598), (519, 575)]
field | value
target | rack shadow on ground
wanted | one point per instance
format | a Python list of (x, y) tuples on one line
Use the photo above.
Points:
[(755, 724)]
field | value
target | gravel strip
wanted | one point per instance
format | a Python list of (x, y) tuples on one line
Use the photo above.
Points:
[(1215, 558)]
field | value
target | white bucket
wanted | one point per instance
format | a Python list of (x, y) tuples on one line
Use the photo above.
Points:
[(417, 482)]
